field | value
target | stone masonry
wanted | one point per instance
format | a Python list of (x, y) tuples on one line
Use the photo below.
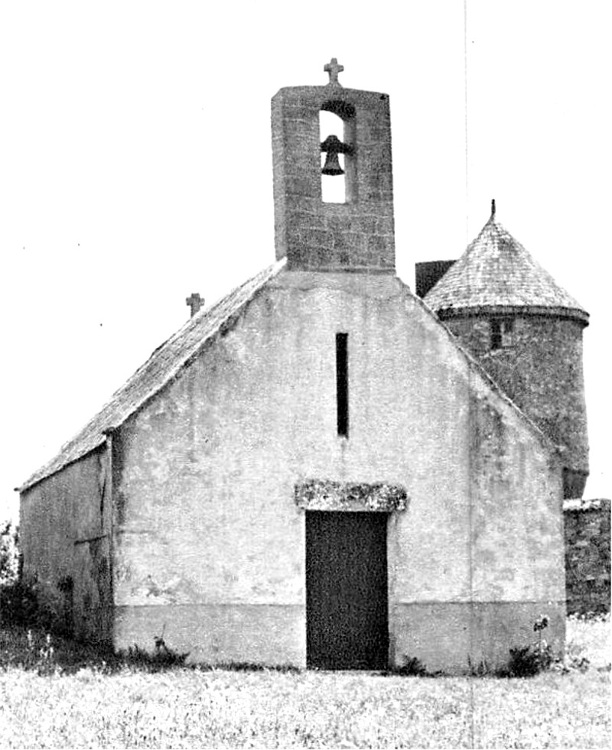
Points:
[(352, 236), (525, 330), (587, 555), (541, 371)]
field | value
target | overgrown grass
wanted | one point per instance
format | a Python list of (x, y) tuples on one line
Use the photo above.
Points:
[(85, 699), (588, 641)]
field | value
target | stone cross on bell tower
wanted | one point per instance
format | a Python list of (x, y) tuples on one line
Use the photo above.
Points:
[(356, 234), (333, 69)]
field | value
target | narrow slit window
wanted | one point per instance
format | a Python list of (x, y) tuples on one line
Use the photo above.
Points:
[(502, 330), (496, 334), (342, 396)]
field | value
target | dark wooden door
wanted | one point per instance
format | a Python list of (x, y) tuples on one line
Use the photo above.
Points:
[(346, 590)]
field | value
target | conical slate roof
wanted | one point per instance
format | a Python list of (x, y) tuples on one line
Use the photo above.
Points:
[(497, 274)]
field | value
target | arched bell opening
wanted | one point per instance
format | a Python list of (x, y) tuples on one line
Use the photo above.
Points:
[(336, 131)]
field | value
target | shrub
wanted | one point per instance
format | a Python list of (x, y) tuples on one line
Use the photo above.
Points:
[(527, 661), (9, 554), (23, 605), (18, 597), (19, 604), (162, 657), (412, 667), (29, 650), (481, 669)]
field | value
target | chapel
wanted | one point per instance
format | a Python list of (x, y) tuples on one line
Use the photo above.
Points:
[(322, 469)]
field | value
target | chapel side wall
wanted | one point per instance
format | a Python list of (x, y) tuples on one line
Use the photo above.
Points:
[(65, 542), (209, 540)]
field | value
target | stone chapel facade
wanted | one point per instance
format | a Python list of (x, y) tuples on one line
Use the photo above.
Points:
[(312, 471)]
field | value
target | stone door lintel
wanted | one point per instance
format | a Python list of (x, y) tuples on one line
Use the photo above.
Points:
[(323, 494)]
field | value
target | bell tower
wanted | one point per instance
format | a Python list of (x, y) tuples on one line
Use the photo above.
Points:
[(356, 234)]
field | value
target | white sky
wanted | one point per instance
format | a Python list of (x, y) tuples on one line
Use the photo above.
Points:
[(135, 168)]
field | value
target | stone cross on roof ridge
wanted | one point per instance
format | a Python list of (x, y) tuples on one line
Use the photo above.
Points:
[(333, 69), (195, 302)]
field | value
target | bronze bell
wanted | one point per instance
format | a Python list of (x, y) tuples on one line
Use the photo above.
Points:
[(333, 146), (332, 164)]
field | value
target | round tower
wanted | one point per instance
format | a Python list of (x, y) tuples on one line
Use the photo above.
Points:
[(526, 331)]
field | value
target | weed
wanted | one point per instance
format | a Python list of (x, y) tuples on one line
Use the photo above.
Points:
[(482, 669), (19, 604), (523, 662), (246, 666), (527, 661), (162, 657), (37, 654), (18, 595), (411, 667)]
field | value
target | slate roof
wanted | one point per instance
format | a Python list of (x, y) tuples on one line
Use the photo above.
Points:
[(497, 272), (162, 366)]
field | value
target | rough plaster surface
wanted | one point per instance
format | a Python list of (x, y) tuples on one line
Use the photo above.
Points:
[(218, 633), (458, 637), (205, 512)]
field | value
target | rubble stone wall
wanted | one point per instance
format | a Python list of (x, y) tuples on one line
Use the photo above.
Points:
[(587, 555), (540, 368)]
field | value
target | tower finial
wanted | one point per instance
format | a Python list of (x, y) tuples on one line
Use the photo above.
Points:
[(333, 69), (493, 208)]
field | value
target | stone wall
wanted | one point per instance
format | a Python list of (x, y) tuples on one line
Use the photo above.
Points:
[(314, 235), (540, 369), (65, 541), (587, 555)]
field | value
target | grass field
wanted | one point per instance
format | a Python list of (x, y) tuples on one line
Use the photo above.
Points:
[(72, 698)]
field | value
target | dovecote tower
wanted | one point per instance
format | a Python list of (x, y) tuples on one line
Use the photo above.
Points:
[(355, 234), (527, 333)]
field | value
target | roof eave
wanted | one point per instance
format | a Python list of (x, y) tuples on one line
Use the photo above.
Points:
[(572, 313)]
